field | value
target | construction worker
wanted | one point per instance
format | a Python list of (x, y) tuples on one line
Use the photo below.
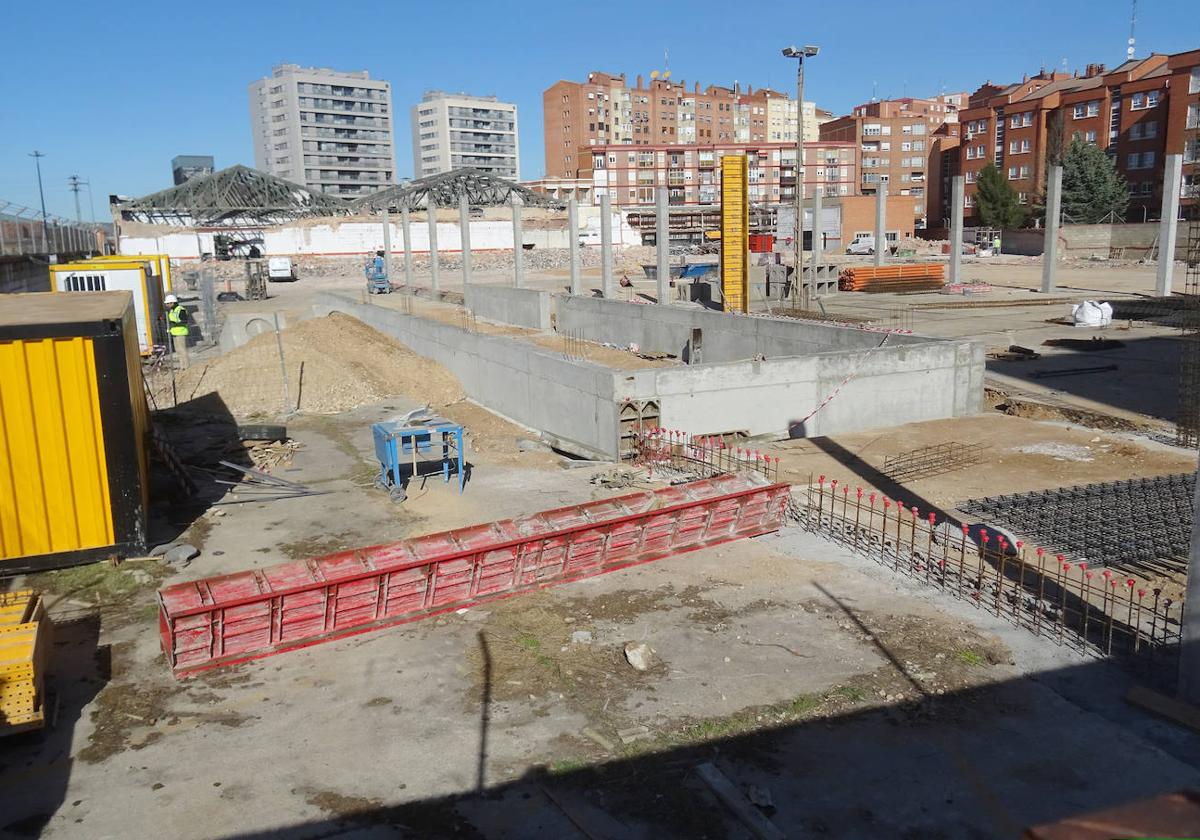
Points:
[(177, 322)]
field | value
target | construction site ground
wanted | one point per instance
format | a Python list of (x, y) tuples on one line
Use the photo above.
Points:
[(1136, 388), (844, 700)]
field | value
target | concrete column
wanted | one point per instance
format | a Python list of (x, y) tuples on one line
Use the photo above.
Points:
[(431, 209), (817, 254), (881, 222), (1050, 248), (518, 244), (662, 243), (573, 233), (1167, 228), (606, 246), (957, 190), (464, 224), (406, 232), (1189, 652), (387, 244)]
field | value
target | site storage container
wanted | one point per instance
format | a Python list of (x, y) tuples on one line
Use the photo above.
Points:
[(137, 275), (74, 426)]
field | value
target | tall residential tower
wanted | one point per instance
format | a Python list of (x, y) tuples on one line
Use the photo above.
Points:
[(327, 130), (453, 130)]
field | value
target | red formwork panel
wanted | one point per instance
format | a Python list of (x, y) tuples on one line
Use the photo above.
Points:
[(246, 615)]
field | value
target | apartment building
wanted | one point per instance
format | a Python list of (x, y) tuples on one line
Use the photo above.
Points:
[(327, 130), (893, 140), (453, 130), (769, 116), (605, 110), (1183, 126), (1128, 112), (692, 174), (186, 167)]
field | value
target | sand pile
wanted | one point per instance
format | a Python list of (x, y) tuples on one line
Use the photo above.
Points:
[(334, 364)]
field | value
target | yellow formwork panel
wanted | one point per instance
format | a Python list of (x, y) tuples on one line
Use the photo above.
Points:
[(54, 493), (735, 228), (24, 647)]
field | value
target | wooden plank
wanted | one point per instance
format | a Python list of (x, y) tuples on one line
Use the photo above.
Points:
[(741, 807), (1174, 710)]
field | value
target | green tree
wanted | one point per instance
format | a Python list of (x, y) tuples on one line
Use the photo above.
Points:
[(1093, 190), (999, 204)]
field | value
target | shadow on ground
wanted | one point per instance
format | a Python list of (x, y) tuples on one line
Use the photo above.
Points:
[(986, 762)]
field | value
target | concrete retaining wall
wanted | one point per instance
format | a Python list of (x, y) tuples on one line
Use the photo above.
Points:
[(508, 305), (724, 337), (571, 403), (868, 383)]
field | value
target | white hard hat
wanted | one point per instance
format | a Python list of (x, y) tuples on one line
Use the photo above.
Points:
[(171, 299)]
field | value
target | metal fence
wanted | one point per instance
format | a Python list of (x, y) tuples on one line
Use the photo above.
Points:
[(23, 232), (1096, 611)]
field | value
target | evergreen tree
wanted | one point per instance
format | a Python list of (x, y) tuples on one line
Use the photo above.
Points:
[(998, 203), (1092, 189)]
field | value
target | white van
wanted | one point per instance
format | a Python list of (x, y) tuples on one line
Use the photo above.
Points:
[(865, 244), (281, 269)]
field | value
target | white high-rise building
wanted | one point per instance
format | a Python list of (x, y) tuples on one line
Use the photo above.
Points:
[(453, 130), (329, 131)]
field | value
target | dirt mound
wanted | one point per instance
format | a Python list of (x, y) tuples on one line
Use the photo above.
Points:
[(334, 364)]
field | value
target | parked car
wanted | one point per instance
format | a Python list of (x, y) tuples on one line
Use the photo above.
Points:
[(866, 245), (281, 270)]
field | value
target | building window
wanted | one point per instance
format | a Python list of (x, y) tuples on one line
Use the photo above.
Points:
[(1012, 147), (1024, 171), (1151, 129), (1135, 131), (1090, 137), (968, 201), (970, 179), (1193, 116), (1022, 198), (1012, 175), (1077, 113), (1015, 122)]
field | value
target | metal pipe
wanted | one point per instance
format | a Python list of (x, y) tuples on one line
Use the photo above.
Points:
[(798, 261)]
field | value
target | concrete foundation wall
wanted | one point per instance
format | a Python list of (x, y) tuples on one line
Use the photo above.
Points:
[(571, 403), (724, 337), (508, 305), (887, 387)]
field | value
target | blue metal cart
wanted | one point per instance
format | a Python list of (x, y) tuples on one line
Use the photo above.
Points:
[(401, 447)]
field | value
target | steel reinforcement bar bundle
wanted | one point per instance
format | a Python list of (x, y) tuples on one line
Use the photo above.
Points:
[(1072, 604)]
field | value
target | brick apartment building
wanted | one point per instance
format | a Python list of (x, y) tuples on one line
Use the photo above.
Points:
[(1126, 111), (894, 140), (692, 174), (1183, 125), (605, 110)]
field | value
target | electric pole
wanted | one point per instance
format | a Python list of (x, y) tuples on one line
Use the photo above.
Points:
[(74, 184), (37, 159)]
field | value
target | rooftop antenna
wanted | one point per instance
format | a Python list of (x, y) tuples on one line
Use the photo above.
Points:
[(875, 91), (1132, 24)]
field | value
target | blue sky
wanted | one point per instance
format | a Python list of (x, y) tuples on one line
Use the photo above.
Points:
[(112, 92)]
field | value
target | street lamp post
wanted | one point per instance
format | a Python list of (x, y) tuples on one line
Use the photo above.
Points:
[(800, 53)]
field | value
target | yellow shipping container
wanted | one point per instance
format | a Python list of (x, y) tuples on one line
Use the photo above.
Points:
[(74, 427)]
